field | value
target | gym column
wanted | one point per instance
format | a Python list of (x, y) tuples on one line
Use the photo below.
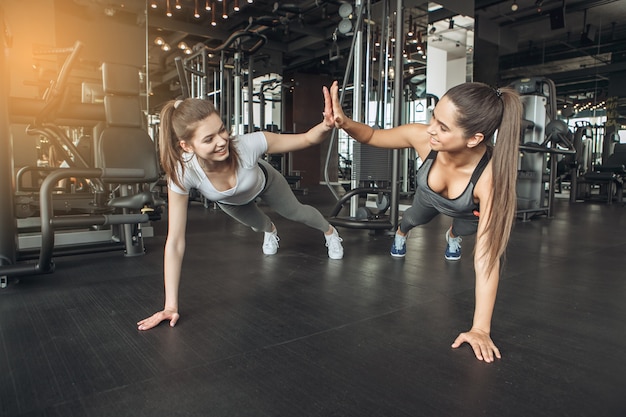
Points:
[(8, 226)]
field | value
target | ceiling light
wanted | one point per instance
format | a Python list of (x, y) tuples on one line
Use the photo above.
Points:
[(209, 6), (159, 41), (514, 6)]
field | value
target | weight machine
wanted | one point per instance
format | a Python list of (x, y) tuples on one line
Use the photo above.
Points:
[(199, 79), (543, 139), (118, 195), (382, 181)]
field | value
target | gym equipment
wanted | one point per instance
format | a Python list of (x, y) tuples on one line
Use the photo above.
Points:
[(125, 130), (610, 176), (365, 218), (542, 135), (120, 196), (198, 80), (384, 175)]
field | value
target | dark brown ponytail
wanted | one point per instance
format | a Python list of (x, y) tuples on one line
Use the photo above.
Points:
[(483, 109)]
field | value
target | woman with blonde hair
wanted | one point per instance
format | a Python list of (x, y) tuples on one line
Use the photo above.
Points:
[(198, 152)]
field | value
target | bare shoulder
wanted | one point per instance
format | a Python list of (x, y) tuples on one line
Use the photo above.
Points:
[(420, 139)]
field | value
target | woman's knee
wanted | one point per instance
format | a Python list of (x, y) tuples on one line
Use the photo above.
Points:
[(416, 216), (464, 228), (299, 212)]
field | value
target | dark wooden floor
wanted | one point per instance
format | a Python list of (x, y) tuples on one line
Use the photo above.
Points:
[(297, 334)]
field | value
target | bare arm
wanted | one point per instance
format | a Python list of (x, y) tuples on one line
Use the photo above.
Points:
[(281, 143), (486, 281), (406, 136), (173, 258)]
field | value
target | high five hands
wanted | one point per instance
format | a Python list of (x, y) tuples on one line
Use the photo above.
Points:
[(333, 113)]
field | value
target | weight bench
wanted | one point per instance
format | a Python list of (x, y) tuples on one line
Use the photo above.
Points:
[(124, 143), (611, 174)]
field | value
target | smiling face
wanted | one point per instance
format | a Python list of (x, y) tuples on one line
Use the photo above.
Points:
[(209, 141), (445, 134)]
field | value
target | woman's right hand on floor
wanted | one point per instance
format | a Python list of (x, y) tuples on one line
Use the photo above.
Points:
[(157, 318)]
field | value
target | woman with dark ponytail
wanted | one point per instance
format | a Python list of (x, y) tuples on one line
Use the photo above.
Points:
[(469, 174), (197, 152)]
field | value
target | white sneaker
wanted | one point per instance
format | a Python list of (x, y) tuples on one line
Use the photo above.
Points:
[(270, 243), (333, 243), (453, 249)]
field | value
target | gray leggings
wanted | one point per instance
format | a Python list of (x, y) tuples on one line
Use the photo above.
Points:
[(420, 213), (279, 196)]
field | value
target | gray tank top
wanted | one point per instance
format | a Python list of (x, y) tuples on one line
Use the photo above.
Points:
[(463, 206)]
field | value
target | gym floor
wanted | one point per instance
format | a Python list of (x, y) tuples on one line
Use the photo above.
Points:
[(297, 334)]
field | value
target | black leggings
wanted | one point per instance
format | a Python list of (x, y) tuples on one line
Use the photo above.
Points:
[(420, 213)]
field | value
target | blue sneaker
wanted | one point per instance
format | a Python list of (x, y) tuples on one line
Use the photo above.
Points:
[(398, 247), (453, 250)]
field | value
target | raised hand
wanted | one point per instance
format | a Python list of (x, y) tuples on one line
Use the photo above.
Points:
[(335, 112), (328, 109)]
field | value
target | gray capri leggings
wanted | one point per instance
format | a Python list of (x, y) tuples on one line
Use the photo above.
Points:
[(420, 213), (279, 196)]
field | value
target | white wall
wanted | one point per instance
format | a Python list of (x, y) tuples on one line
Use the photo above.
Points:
[(437, 71), (441, 74), (456, 72)]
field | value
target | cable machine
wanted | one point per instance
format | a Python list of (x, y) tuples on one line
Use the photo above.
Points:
[(199, 79), (543, 140), (387, 197)]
